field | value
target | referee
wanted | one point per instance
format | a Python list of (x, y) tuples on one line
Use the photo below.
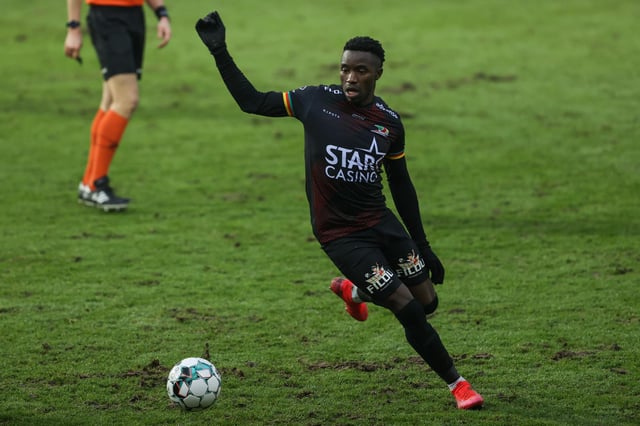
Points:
[(351, 136), (117, 30)]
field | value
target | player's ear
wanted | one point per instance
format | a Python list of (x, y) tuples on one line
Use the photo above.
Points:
[(379, 73)]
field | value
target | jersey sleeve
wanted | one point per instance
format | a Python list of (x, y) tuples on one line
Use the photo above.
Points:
[(396, 150), (288, 103), (248, 98), (298, 101)]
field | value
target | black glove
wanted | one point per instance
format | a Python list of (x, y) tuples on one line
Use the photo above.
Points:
[(212, 32), (436, 270)]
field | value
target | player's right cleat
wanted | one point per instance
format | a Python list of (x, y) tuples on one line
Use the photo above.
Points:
[(343, 288), (105, 199), (466, 397)]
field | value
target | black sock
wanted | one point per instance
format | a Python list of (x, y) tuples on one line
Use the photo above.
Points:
[(425, 341)]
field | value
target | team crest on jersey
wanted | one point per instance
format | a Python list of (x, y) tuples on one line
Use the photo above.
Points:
[(378, 278), (410, 265), (381, 130)]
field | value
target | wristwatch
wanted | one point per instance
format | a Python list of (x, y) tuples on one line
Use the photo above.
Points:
[(73, 24)]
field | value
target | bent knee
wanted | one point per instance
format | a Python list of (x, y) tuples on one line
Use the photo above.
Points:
[(430, 308)]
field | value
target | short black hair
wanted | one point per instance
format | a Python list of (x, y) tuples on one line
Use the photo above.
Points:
[(366, 44)]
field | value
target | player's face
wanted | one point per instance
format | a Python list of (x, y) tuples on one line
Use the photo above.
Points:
[(358, 74)]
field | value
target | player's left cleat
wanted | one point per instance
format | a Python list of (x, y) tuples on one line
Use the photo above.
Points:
[(344, 288), (84, 195), (466, 397)]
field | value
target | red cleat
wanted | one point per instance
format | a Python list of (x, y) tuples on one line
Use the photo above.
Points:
[(466, 397), (342, 287)]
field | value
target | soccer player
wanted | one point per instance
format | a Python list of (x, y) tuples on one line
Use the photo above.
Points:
[(350, 136), (117, 30)]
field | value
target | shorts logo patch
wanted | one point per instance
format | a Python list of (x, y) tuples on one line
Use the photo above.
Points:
[(411, 265), (378, 278)]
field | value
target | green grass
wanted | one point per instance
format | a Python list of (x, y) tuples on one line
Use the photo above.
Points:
[(523, 127)]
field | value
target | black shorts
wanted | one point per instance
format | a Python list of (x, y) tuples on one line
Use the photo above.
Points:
[(117, 34), (379, 259)]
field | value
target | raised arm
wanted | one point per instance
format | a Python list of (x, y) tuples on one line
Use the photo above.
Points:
[(213, 34)]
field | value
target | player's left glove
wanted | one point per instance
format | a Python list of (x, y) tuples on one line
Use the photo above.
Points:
[(433, 264), (212, 32)]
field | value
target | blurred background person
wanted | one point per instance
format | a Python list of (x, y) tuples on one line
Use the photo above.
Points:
[(117, 30)]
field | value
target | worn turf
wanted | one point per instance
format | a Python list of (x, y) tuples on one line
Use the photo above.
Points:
[(522, 139)]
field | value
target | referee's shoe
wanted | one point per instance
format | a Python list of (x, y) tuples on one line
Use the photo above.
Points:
[(105, 198), (84, 195)]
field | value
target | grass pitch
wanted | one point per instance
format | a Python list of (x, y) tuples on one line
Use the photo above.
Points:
[(522, 125)]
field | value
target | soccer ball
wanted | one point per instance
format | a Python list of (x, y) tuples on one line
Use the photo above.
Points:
[(194, 384)]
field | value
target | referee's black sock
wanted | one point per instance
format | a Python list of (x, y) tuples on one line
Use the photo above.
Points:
[(425, 341)]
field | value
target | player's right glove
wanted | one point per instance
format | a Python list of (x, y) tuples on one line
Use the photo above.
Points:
[(212, 32), (433, 264)]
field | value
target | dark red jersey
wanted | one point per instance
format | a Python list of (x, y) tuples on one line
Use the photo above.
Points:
[(345, 146), (345, 149)]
